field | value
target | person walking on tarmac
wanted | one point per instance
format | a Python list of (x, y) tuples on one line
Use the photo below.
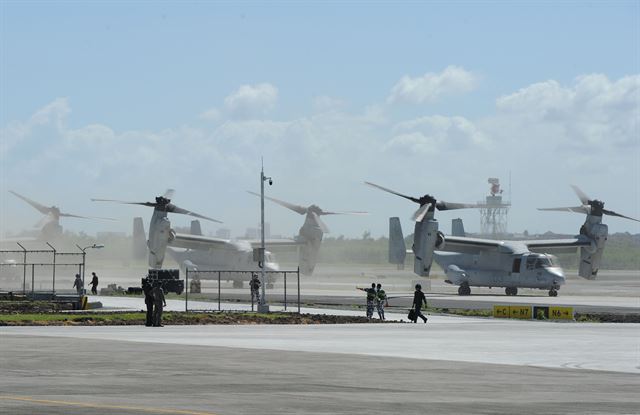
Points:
[(381, 300), (371, 297), (94, 284), (148, 301), (158, 303), (77, 284), (254, 284), (418, 299)]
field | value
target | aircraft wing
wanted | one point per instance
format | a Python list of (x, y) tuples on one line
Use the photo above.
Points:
[(185, 240), (558, 245), (274, 242), (467, 245)]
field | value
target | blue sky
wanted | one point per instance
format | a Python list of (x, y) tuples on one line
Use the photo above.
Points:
[(122, 100)]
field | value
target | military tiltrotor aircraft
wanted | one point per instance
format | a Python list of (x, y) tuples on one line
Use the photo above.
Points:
[(50, 223), (194, 251), (473, 262), (160, 232), (210, 253), (311, 232)]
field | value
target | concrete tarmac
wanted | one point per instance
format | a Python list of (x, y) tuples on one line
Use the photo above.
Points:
[(449, 365)]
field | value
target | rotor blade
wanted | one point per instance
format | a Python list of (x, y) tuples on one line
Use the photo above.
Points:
[(84, 217), (296, 208), (442, 205), (320, 223), (612, 213), (150, 204), (581, 195), (175, 209), (413, 199), (344, 213), (575, 209), (418, 215), (41, 208), (169, 194)]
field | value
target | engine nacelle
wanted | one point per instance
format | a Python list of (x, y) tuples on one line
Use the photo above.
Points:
[(590, 256), (310, 238), (160, 234), (424, 243)]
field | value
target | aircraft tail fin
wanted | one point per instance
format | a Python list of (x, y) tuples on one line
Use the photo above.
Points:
[(196, 229), (397, 248), (457, 227), (139, 239)]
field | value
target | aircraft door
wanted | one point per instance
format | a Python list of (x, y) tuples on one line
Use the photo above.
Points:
[(517, 262)]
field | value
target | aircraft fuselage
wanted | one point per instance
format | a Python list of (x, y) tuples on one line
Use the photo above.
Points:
[(495, 269)]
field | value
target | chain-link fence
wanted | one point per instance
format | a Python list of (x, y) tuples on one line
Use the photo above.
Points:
[(217, 290), (40, 272)]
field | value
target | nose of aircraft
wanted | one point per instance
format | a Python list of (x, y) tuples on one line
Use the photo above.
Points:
[(558, 276)]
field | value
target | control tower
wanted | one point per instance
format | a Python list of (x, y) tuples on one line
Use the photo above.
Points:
[(494, 211)]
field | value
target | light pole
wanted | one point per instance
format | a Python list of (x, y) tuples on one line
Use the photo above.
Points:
[(84, 254), (262, 306)]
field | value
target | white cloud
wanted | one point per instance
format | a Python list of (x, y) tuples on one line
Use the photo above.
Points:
[(592, 114), (436, 134), (431, 86), (54, 112), (212, 114), (252, 100)]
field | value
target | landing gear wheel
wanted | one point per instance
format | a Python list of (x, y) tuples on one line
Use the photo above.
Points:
[(511, 290), (464, 289), (237, 284), (553, 293)]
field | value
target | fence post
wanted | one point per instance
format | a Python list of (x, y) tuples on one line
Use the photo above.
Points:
[(218, 290), (24, 270), (53, 283), (186, 290), (298, 290), (285, 291), (33, 279)]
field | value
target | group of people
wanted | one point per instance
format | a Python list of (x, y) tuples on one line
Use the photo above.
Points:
[(376, 297), (155, 301), (78, 284)]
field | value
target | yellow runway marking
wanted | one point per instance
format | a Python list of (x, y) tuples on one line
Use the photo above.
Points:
[(98, 406)]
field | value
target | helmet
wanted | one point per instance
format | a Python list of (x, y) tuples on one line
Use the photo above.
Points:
[(418, 287)]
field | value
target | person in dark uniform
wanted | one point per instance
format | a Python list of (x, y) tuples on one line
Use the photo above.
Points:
[(381, 300), (418, 299), (94, 284), (77, 284), (371, 298), (148, 300), (254, 284), (158, 303)]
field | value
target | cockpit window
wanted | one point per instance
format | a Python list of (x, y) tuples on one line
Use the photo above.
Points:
[(537, 262)]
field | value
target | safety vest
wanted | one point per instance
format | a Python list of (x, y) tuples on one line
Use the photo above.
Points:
[(371, 294)]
